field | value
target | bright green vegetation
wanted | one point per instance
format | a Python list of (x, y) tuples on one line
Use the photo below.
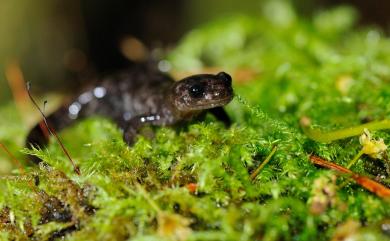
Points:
[(321, 68)]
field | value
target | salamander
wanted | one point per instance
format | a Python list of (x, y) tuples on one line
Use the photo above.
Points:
[(143, 96)]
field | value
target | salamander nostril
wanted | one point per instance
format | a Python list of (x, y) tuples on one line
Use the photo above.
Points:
[(224, 76)]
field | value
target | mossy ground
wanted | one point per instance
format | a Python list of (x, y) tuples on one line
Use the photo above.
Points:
[(193, 182)]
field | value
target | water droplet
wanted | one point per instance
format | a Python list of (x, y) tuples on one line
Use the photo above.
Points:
[(74, 110), (164, 66), (99, 92), (85, 98), (127, 116)]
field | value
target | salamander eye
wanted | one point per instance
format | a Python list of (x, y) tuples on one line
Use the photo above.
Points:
[(196, 91)]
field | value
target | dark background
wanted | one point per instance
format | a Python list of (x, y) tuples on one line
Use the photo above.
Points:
[(60, 44), (163, 22)]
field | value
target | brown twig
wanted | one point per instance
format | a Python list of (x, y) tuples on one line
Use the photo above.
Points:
[(367, 183)]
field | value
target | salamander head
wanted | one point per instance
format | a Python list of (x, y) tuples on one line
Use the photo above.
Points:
[(200, 92)]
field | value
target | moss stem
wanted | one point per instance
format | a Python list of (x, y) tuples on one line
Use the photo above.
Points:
[(256, 172), (148, 199)]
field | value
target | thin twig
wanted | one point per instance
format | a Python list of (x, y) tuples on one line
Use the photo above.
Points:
[(14, 159), (20, 166), (52, 131)]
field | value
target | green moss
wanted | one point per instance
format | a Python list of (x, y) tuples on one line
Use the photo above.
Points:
[(193, 182)]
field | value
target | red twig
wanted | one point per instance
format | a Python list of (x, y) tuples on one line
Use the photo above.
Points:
[(365, 182), (52, 131), (19, 164), (324, 163), (14, 159)]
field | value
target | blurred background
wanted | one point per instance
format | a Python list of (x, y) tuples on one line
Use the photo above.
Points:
[(60, 44)]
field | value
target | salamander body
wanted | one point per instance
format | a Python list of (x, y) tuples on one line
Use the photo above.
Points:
[(141, 96)]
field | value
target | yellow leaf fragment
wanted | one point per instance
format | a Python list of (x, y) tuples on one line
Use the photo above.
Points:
[(373, 148)]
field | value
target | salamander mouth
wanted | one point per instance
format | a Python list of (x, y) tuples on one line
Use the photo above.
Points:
[(202, 105)]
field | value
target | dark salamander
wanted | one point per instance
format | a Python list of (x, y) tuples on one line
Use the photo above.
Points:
[(143, 96)]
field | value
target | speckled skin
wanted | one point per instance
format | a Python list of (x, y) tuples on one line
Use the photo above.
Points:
[(143, 95)]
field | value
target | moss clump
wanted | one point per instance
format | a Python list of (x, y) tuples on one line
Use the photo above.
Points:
[(194, 182)]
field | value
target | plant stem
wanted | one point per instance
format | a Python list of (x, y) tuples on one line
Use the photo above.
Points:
[(354, 160), (326, 137)]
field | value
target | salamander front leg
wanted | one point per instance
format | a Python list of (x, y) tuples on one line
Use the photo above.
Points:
[(221, 115)]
